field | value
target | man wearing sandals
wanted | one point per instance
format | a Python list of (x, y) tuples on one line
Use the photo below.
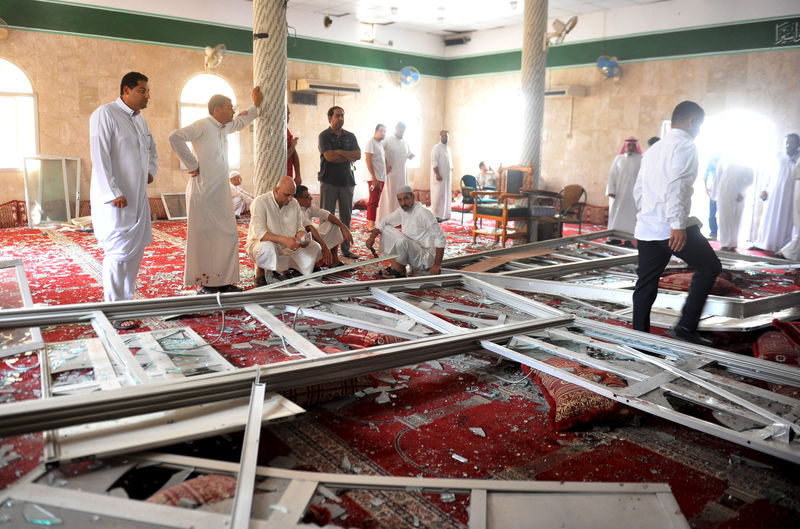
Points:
[(277, 238), (419, 245), (124, 161)]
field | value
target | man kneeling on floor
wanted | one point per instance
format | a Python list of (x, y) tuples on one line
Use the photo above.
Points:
[(277, 238), (421, 242), (331, 232)]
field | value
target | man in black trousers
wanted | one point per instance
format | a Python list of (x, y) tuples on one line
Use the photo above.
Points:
[(663, 194)]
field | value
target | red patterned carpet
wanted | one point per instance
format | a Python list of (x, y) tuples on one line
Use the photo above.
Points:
[(426, 422)]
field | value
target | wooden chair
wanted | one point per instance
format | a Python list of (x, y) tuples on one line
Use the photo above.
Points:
[(572, 204), (511, 206)]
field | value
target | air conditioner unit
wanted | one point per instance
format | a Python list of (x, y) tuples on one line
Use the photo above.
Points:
[(566, 91), (457, 40), (323, 87)]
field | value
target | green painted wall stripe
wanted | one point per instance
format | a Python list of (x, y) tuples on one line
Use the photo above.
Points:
[(90, 21), (325, 52), (85, 20)]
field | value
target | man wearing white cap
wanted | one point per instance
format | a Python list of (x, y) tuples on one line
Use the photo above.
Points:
[(421, 242), (241, 198)]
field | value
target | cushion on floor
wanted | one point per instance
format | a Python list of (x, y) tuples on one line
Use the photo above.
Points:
[(201, 490), (570, 404), (681, 282), (776, 347), (362, 338)]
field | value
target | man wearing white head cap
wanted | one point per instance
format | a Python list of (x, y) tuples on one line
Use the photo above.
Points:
[(241, 198), (421, 242), (622, 207)]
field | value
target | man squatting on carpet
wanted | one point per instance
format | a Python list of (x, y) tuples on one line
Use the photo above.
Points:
[(421, 242), (331, 232), (277, 239)]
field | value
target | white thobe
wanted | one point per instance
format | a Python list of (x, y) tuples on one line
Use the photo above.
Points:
[(212, 240), (440, 189), (416, 244), (266, 216), (397, 155), (664, 187), (123, 153), (622, 207), (728, 188), (329, 232), (241, 200), (792, 249), (776, 225)]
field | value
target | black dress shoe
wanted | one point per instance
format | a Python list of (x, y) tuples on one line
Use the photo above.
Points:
[(685, 335), (229, 288), (207, 290)]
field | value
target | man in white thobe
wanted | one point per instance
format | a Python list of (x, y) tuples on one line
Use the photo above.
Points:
[(776, 225), (419, 245), (397, 154), (241, 199), (622, 207), (212, 242), (441, 178), (792, 250), (728, 189), (331, 231), (124, 161), (277, 239)]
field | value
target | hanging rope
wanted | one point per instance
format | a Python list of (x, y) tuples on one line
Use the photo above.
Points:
[(269, 72), (534, 60)]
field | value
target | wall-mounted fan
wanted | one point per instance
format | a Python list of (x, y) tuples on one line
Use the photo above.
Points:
[(409, 76), (214, 56), (560, 30), (609, 67)]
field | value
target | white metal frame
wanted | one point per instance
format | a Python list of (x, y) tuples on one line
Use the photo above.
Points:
[(71, 211)]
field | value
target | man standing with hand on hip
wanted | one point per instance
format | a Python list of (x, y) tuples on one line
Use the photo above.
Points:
[(212, 241), (663, 195)]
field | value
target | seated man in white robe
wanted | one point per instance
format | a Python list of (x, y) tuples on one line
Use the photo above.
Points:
[(419, 245), (331, 231), (277, 239), (241, 198)]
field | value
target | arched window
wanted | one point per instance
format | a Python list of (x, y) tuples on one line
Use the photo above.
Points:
[(194, 105), (18, 116)]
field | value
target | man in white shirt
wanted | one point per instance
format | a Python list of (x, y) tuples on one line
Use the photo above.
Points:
[(441, 178), (397, 154), (776, 228), (277, 239), (241, 198), (212, 241), (376, 167), (331, 232), (663, 194), (421, 242), (124, 161), (622, 207)]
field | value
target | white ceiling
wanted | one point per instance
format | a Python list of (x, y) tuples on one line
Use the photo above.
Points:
[(442, 17)]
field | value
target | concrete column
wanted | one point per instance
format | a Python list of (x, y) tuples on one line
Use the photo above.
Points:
[(269, 72), (534, 59)]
